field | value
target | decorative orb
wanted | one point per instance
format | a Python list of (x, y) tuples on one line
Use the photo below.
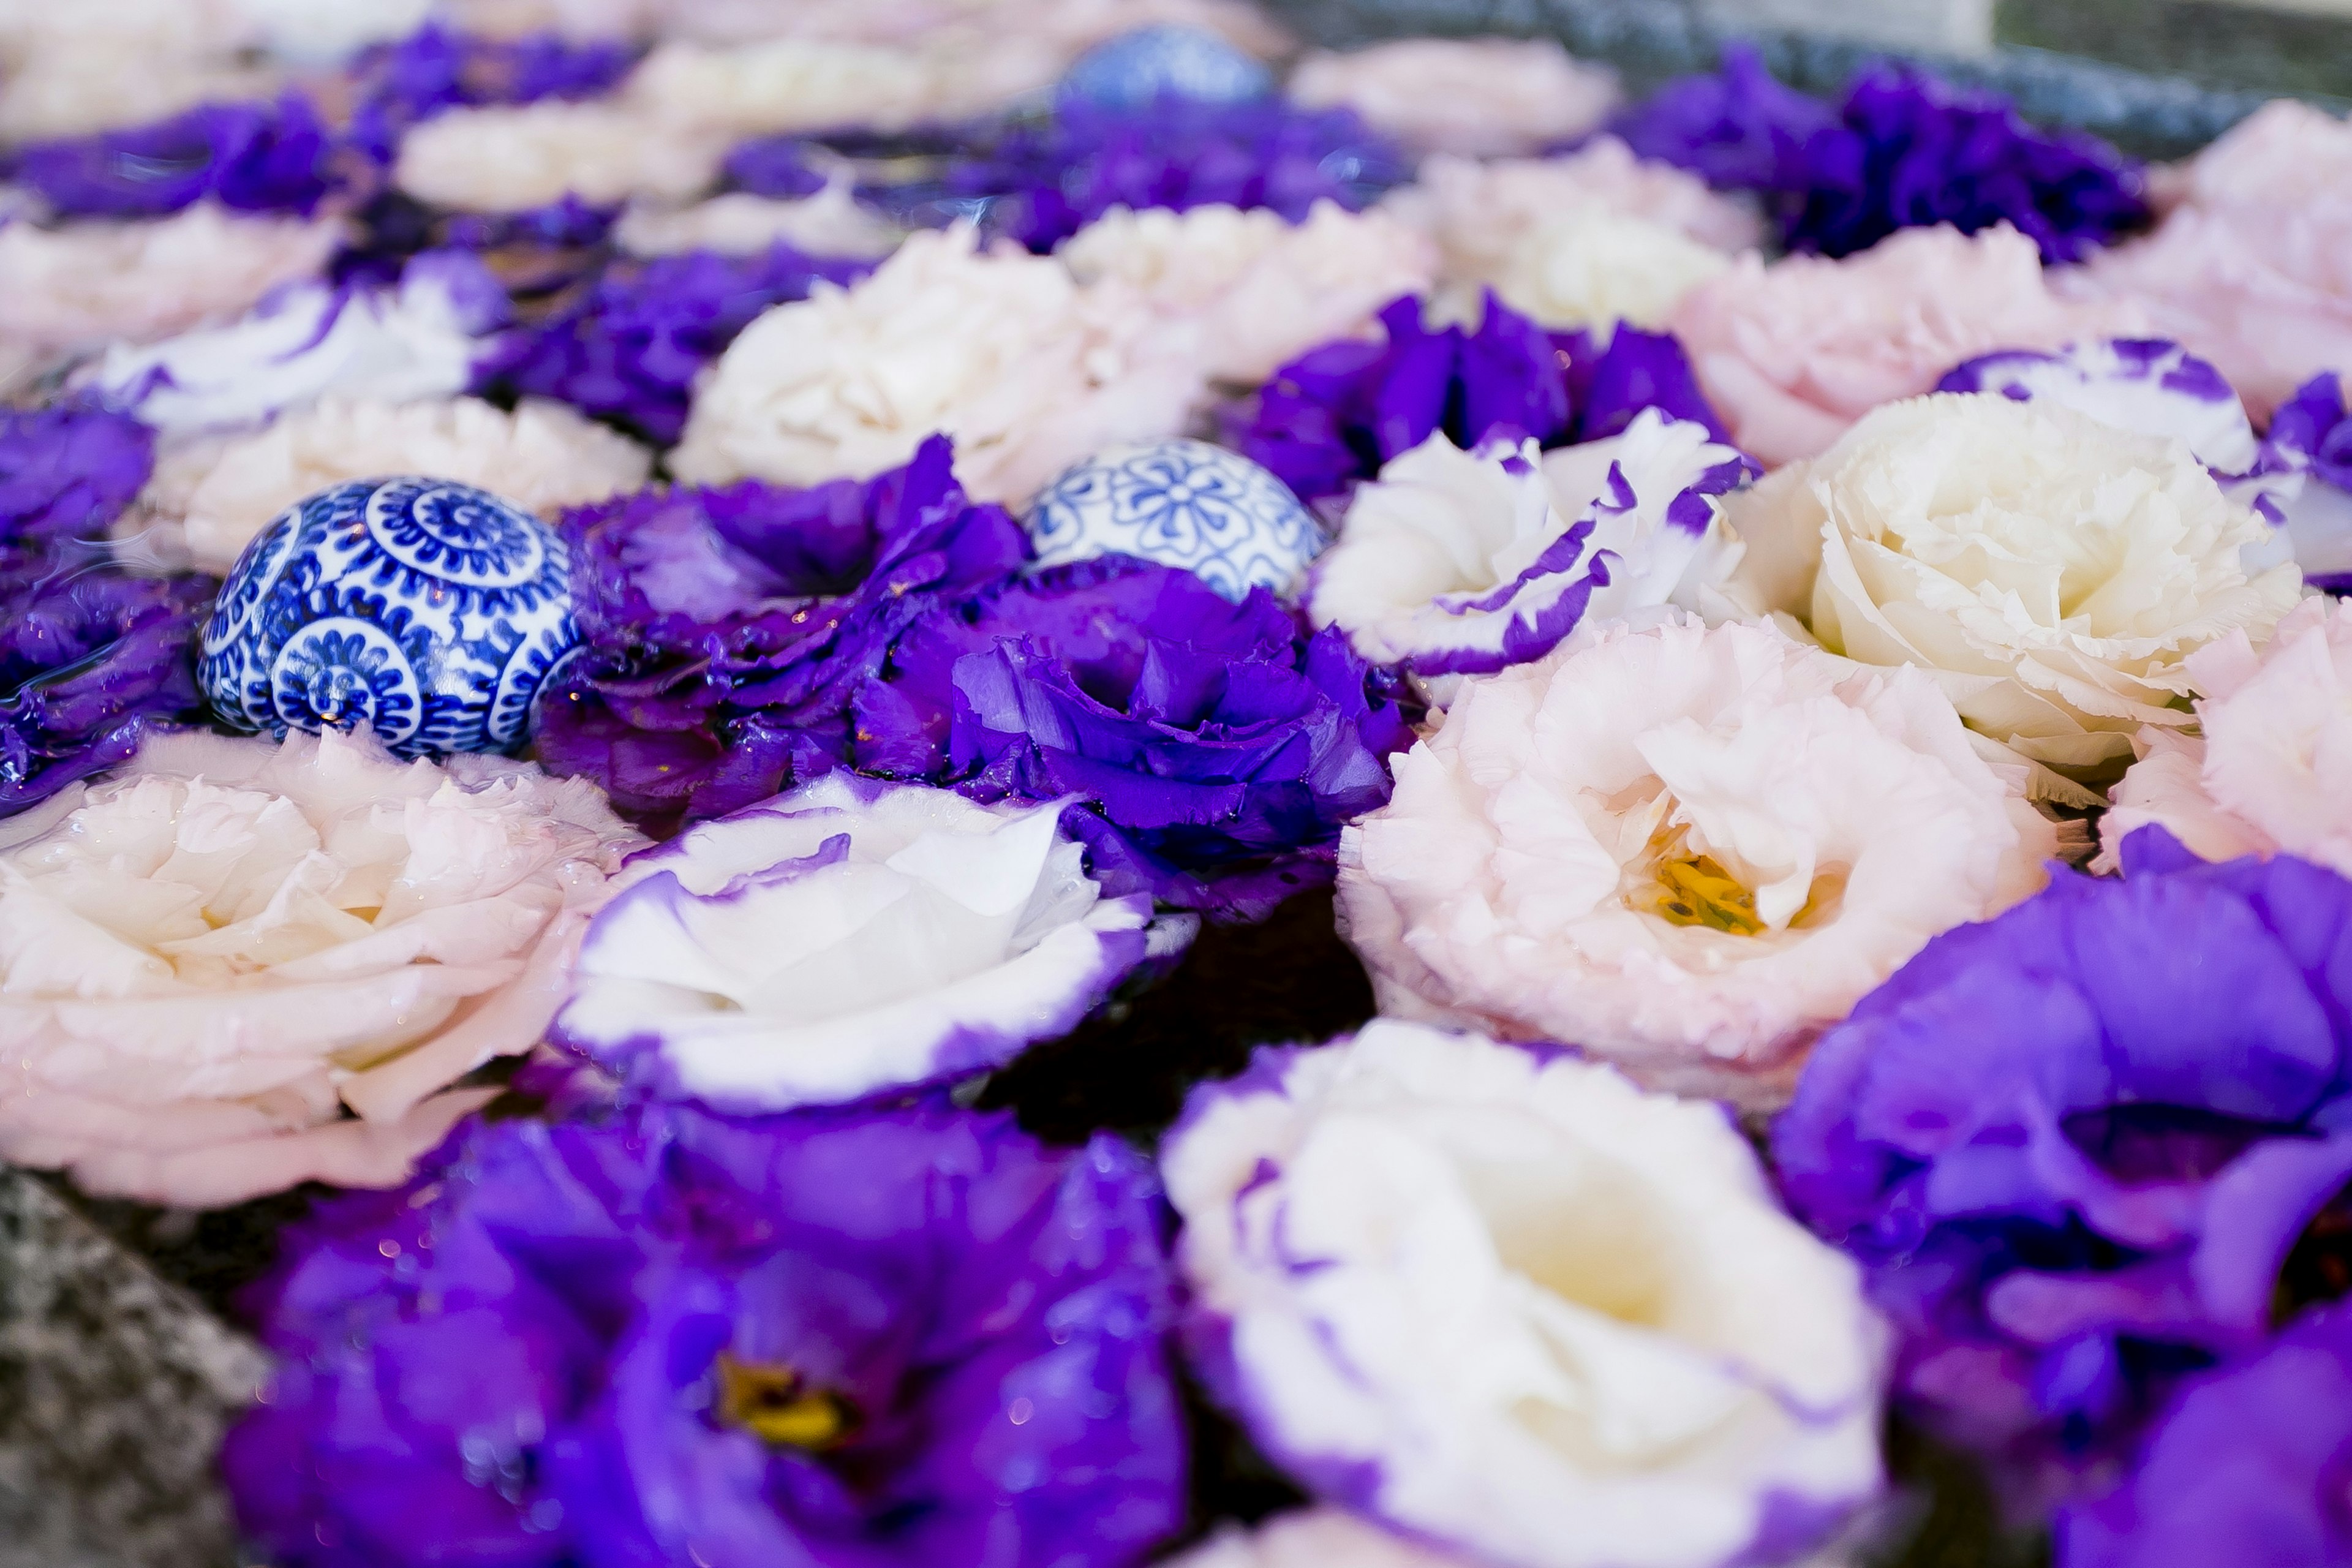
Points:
[(428, 611), (1136, 70), (1180, 503)]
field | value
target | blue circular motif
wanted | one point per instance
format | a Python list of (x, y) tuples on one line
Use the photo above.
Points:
[(1136, 70), (1181, 503), (430, 612)]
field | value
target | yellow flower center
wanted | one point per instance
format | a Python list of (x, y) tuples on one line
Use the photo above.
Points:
[(775, 1404), (1687, 890)]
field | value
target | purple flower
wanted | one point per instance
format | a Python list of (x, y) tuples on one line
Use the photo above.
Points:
[(2310, 445), (1331, 417), (2075, 1145), (1216, 749), (652, 1336), (255, 157), (1737, 129), (727, 630), (1043, 182), (68, 472), (777, 166), (2314, 425), (437, 69), (2249, 1463), (628, 346)]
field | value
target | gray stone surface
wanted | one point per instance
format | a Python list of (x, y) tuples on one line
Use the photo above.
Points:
[(115, 1387)]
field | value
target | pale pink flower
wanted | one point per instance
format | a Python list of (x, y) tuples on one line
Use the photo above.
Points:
[(789, 84), (829, 223), (2271, 773), (216, 494), (1684, 849), (83, 88), (1258, 290), (84, 285), (1004, 351), (208, 957), (1479, 97), (1792, 353), (513, 158)]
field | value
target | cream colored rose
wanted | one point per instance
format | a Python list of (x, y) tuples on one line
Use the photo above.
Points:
[(1592, 267), (1480, 96), (2053, 572), (505, 159), (829, 223), (787, 84), (210, 956)]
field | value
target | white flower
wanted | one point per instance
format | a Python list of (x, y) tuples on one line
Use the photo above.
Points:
[(584, 20), (2052, 572), (1514, 1304), (848, 938), (831, 223), (1454, 563), (786, 84), (86, 284), (1000, 349), (1483, 97), (2146, 384), (513, 158), (386, 346), (86, 88), (207, 956), (1688, 849), (1312, 1537), (218, 493), (1258, 290), (1593, 267), (329, 32), (2273, 772)]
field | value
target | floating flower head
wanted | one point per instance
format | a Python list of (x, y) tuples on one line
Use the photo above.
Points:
[(1794, 353), (206, 958), (728, 629), (436, 69), (2053, 573), (1027, 372), (1481, 98), (216, 496), (1590, 268), (828, 221), (1313, 1537), (1462, 562), (1213, 749), (1737, 128), (1504, 1299), (510, 159), (2309, 447), (630, 345), (790, 83), (247, 157), (1683, 848), (2245, 1463), (2148, 384), (1336, 414), (846, 939), (678, 1337), (2075, 1164)]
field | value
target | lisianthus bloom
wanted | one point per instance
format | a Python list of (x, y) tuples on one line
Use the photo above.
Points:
[(2072, 1163), (854, 1339), (848, 938), (89, 85), (1481, 98), (1737, 128), (2266, 775), (2053, 572), (1027, 371), (1505, 1300), (829, 222), (206, 957), (508, 159), (67, 471), (1688, 849), (247, 157), (1336, 414), (1313, 1537), (305, 34), (1794, 353), (1044, 183), (1213, 748), (2152, 386), (216, 495), (89, 284), (418, 340), (436, 69), (2245, 1464), (727, 630), (629, 346), (1461, 563), (2249, 269), (2310, 441), (1594, 269), (1257, 288), (789, 83)]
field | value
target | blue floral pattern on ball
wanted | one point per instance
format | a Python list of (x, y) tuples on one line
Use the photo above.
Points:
[(1180, 503), (429, 612)]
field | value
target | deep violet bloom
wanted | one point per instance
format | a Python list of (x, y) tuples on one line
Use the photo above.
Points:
[(254, 157), (2075, 1146), (627, 346), (68, 472), (1738, 128), (438, 67), (1332, 416), (1044, 181), (777, 166), (2249, 1463), (2314, 425), (2311, 437), (653, 1336), (727, 630), (1216, 749)]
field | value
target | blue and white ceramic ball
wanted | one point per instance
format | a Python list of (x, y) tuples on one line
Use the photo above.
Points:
[(428, 611), (1181, 503), (1169, 61)]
